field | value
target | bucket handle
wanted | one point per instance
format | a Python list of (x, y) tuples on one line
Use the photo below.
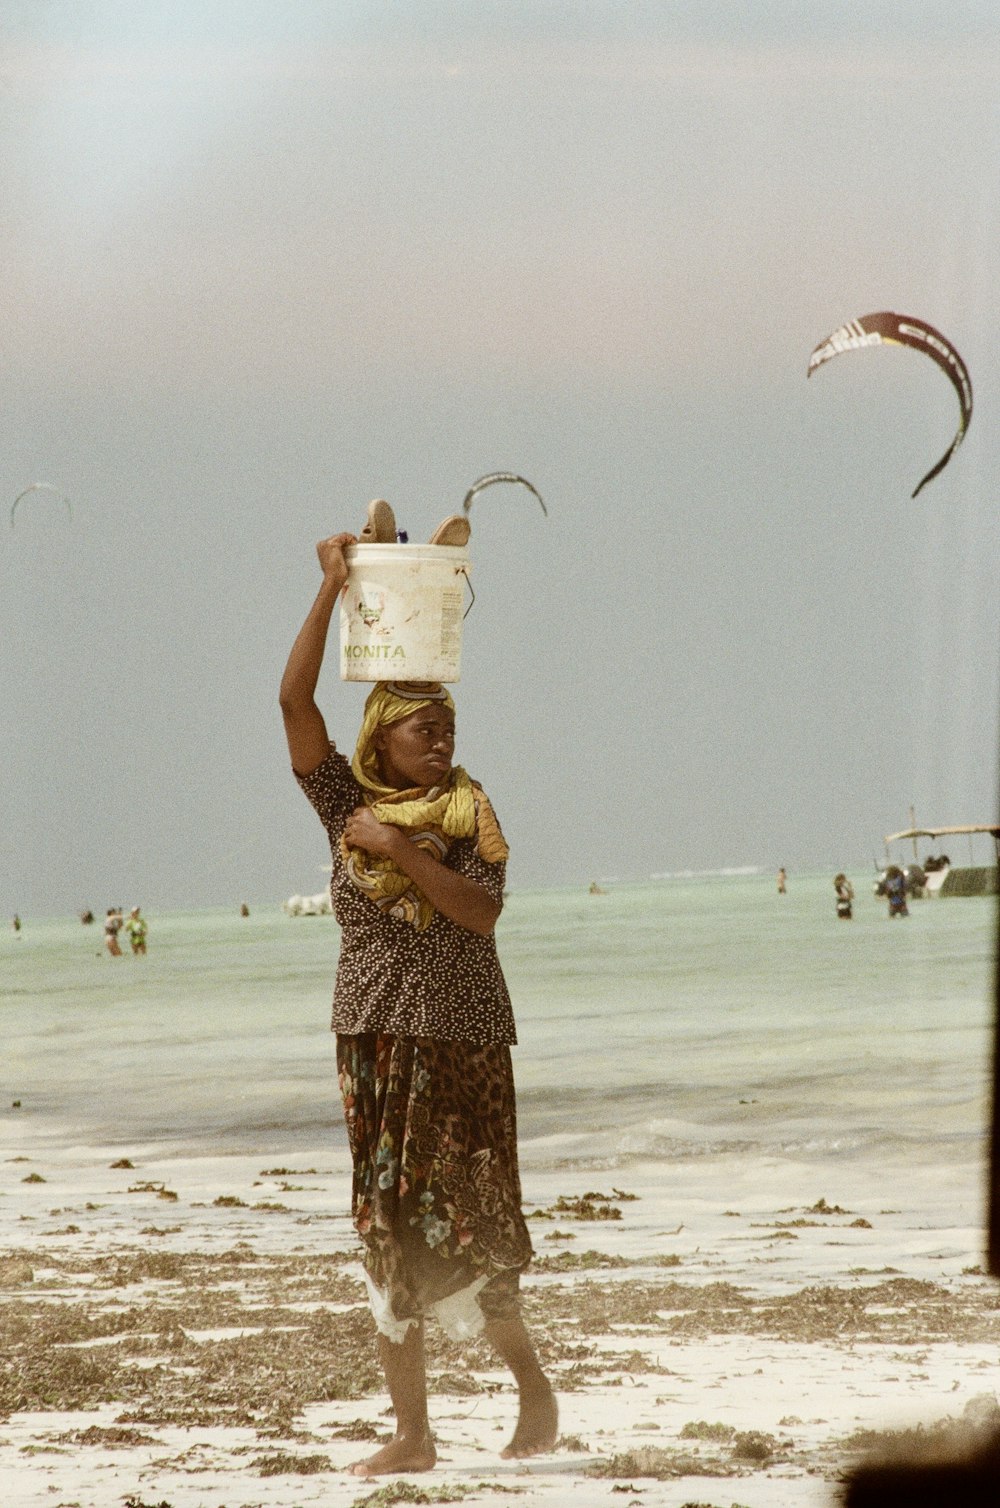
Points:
[(464, 571)]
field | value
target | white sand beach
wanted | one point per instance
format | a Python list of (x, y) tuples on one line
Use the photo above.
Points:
[(192, 1334), (752, 1162)]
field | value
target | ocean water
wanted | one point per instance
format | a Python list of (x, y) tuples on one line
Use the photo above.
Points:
[(690, 1019)]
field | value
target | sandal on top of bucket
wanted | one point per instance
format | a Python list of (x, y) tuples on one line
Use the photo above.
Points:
[(381, 526), (453, 531)]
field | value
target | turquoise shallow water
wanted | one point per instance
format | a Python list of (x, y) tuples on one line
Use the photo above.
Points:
[(686, 1018)]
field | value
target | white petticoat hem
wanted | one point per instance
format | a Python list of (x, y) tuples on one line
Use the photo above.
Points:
[(459, 1315)]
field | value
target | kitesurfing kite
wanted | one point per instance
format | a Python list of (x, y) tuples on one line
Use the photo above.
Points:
[(500, 476), (904, 330), (39, 487)]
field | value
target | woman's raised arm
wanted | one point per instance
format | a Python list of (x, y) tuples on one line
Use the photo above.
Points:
[(305, 729)]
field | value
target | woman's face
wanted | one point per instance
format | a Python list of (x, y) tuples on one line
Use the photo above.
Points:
[(418, 750)]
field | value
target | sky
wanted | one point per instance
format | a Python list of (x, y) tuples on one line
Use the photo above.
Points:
[(267, 260)]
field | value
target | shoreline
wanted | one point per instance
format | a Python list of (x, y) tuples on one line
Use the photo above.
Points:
[(193, 1332)]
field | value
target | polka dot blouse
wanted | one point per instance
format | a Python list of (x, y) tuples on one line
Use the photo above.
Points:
[(446, 982)]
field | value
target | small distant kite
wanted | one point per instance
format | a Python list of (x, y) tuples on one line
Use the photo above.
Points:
[(500, 476), (904, 330), (39, 487)]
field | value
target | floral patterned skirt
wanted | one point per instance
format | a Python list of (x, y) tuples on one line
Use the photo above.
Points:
[(437, 1194)]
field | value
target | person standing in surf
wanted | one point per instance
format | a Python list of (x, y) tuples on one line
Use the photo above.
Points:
[(424, 1029), (844, 891)]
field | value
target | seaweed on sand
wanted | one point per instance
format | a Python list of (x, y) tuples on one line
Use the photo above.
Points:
[(282, 1462), (662, 1465)]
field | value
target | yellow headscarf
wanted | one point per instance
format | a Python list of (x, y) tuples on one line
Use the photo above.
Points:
[(432, 817)]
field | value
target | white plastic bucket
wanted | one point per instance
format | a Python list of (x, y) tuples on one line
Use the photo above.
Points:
[(401, 615)]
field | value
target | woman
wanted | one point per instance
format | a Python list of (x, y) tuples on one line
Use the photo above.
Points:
[(112, 927), (844, 891), (424, 1029), (137, 928)]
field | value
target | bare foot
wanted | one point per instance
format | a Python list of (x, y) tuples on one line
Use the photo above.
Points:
[(401, 1454), (537, 1424)]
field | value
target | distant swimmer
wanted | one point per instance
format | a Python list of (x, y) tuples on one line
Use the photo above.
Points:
[(87, 917), (595, 889), (16, 923), (782, 881), (112, 927), (844, 892), (244, 909), (136, 928)]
